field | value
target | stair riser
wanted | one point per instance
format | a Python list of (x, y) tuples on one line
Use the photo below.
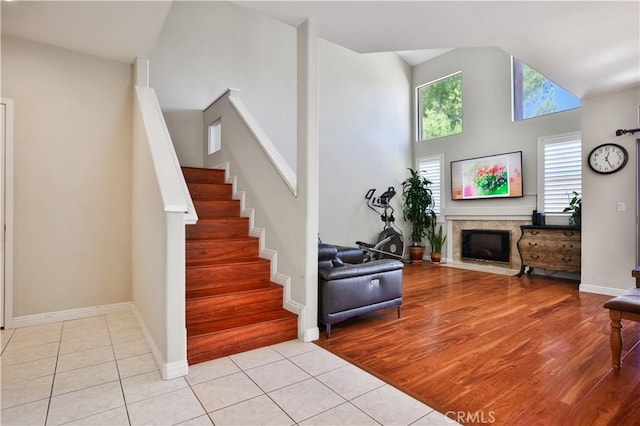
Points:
[(209, 191), (223, 275), (221, 228), (198, 251), (229, 342), (217, 209), (203, 175), (232, 305)]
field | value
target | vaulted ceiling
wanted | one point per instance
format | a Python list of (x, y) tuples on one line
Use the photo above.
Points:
[(589, 47)]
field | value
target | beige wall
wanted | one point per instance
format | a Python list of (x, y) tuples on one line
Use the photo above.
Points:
[(609, 236), (72, 167)]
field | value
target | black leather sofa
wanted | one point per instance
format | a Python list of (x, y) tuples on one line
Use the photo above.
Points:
[(347, 287)]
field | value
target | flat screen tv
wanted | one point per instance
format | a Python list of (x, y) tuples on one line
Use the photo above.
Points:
[(493, 176)]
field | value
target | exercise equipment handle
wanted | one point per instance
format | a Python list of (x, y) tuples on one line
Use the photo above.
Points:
[(369, 194)]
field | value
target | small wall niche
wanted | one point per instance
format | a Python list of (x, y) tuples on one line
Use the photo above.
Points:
[(214, 136)]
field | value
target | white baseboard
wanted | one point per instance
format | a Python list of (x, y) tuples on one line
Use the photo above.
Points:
[(311, 334), (607, 291), (67, 315), (168, 370), (172, 370)]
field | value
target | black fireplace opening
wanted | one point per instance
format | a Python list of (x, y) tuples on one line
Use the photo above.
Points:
[(487, 245)]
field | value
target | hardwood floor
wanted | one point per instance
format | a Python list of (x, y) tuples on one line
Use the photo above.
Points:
[(487, 348)]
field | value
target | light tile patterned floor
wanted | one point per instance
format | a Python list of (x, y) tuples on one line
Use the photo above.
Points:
[(99, 371)]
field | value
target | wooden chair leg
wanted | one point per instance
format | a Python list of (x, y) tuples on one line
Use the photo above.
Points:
[(398, 311), (616, 338)]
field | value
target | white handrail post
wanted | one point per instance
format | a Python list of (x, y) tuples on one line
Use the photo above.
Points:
[(141, 72)]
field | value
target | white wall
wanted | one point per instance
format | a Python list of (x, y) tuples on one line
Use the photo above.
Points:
[(609, 236), (487, 125), (186, 130), (207, 47), (72, 172), (365, 121)]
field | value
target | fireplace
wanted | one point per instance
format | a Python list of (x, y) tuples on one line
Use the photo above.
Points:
[(489, 245)]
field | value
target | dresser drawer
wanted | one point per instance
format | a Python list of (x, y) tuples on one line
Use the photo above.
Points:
[(547, 234), (555, 245)]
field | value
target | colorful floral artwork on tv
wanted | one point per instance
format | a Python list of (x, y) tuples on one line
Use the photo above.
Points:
[(487, 177)]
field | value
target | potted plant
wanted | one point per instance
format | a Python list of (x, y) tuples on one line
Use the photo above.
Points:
[(417, 209), (575, 206), (436, 240)]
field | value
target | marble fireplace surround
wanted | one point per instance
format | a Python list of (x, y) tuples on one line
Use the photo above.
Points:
[(489, 218), (513, 226)]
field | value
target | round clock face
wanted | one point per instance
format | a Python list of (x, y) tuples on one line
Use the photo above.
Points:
[(608, 158)]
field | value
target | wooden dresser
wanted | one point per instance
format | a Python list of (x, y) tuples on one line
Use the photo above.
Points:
[(555, 247)]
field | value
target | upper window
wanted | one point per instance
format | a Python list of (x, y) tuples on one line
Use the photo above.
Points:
[(431, 169), (439, 107), (535, 95)]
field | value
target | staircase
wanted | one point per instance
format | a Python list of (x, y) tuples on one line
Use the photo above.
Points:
[(232, 306)]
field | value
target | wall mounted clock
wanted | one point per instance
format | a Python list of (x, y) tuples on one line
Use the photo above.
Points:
[(608, 158)]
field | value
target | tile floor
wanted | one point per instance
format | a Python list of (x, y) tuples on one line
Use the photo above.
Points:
[(99, 371)]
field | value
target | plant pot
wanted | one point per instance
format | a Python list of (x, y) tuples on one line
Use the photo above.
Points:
[(436, 257), (416, 253)]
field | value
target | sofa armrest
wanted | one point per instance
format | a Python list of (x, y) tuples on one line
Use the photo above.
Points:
[(350, 271)]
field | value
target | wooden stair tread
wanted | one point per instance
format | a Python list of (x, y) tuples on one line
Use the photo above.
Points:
[(231, 289), (201, 329), (220, 219), (215, 262), (217, 240)]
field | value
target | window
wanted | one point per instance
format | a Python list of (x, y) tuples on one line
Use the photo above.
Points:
[(560, 172), (439, 107), (535, 95), (431, 169), (215, 136)]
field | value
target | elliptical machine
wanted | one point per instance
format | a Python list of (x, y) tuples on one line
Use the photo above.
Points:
[(390, 244)]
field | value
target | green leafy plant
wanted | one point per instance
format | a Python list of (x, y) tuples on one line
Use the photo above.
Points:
[(575, 206), (417, 205), (436, 239)]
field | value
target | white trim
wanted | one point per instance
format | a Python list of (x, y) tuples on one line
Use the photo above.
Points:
[(7, 298), (311, 335), (170, 370), (519, 212), (173, 370), (141, 72), (67, 315), (596, 289)]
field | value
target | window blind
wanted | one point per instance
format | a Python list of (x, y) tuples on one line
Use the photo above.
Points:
[(430, 168), (562, 173)]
